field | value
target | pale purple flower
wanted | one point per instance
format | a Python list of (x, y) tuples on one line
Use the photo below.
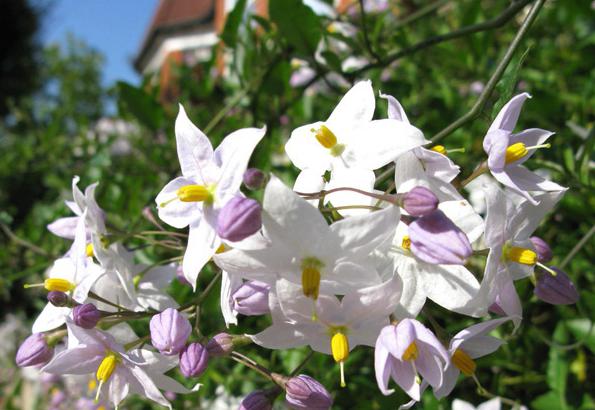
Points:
[(304, 392), (239, 219), (252, 298), (467, 345), (557, 290), (436, 239), (254, 178), (34, 351), (507, 151), (169, 331), (194, 359), (406, 351), (58, 299), (220, 345)]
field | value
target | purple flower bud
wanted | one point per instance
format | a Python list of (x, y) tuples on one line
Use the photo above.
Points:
[(86, 315), (252, 298), (420, 201), (436, 239), (58, 299), (220, 345), (239, 219), (34, 351), (303, 392), (169, 331), (544, 252), (254, 178), (256, 400), (193, 360), (557, 290)]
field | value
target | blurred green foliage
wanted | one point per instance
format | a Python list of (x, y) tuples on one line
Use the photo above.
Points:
[(53, 135)]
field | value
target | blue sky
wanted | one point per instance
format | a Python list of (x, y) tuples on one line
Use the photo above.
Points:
[(114, 27)]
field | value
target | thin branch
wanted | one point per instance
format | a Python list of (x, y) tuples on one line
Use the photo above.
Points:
[(422, 12), (22, 242), (497, 22), (578, 247), (495, 78)]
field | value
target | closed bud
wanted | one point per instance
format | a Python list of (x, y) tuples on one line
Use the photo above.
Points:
[(436, 239), (58, 299), (86, 315), (254, 178), (304, 392), (257, 400), (419, 201), (220, 345), (239, 219), (193, 360), (252, 298), (557, 290), (34, 351), (169, 331), (543, 250)]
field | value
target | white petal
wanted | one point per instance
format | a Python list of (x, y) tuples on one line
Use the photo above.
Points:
[(195, 151), (413, 297), (357, 105), (202, 244), (395, 110), (509, 114), (50, 318), (228, 284), (78, 360), (177, 213), (304, 150), (452, 287), (358, 178), (383, 141), (64, 227), (462, 214)]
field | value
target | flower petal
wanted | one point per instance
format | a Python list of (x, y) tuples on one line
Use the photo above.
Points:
[(202, 244), (395, 110), (304, 150), (358, 178), (177, 213), (357, 105), (195, 151)]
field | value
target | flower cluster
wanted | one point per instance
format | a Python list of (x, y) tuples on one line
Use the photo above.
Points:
[(336, 262)]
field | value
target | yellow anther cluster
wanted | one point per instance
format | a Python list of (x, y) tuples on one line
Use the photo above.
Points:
[(106, 367), (311, 282), (340, 347), (194, 193), (521, 255), (325, 137), (411, 352), (89, 250), (439, 149), (406, 243), (59, 285), (220, 249), (515, 152), (463, 362)]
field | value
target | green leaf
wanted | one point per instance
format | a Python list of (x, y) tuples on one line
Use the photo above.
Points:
[(557, 367), (139, 104), (297, 23), (507, 84), (582, 330), (548, 401), (232, 23)]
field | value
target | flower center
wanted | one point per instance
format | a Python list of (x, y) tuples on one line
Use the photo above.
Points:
[(193, 193), (439, 149), (340, 351), (518, 150), (311, 277), (521, 255), (411, 352), (59, 285), (464, 362), (406, 243), (89, 250), (325, 136)]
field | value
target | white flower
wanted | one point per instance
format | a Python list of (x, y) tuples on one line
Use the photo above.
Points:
[(209, 180), (304, 249)]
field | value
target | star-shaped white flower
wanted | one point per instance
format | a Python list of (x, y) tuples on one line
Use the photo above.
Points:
[(304, 249), (209, 180)]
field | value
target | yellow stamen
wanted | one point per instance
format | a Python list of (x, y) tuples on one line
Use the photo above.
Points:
[(340, 351), (60, 285), (194, 193), (464, 362), (311, 282), (439, 149), (105, 370), (220, 249), (89, 250), (411, 352), (325, 137), (406, 243), (521, 255), (518, 150), (136, 280)]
